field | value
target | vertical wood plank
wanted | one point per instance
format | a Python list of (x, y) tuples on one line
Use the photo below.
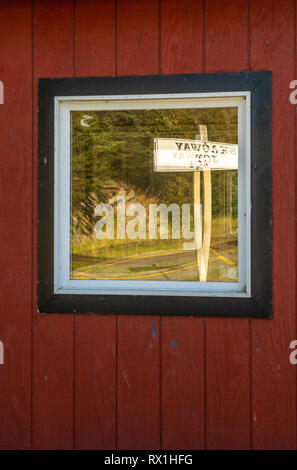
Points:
[(95, 343), (15, 223), (181, 36), (228, 384), (295, 240), (94, 38), (138, 382), (274, 378), (95, 382), (182, 383), (138, 337), (226, 39), (52, 334), (137, 37), (53, 383), (182, 338), (227, 340)]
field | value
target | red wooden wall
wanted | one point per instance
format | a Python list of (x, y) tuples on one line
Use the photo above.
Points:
[(106, 382)]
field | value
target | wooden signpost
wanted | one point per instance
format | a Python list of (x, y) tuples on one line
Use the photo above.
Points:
[(203, 253), (198, 156)]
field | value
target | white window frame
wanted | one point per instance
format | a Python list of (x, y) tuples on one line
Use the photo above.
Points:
[(62, 195)]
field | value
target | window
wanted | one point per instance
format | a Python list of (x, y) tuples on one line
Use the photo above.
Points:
[(155, 195)]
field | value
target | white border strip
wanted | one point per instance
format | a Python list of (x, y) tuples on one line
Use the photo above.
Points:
[(62, 199)]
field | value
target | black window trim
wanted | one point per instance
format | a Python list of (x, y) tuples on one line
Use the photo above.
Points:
[(259, 305)]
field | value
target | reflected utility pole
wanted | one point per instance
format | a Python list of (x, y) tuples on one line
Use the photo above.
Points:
[(203, 252)]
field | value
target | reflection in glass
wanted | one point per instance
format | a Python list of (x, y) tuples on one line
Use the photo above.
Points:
[(131, 221)]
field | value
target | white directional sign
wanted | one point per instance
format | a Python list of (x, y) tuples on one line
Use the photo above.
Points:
[(194, 155)]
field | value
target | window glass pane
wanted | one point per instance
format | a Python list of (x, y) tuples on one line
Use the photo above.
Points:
[(149, 188)]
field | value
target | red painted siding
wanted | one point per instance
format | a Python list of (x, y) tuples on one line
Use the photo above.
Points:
[(138, 338), (95, 336), (274, 419), (183, 345), (16, 221), (106, 382), (53, 337), (227, 340)]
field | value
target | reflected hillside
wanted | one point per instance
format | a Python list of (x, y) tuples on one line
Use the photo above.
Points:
[(112, 156)]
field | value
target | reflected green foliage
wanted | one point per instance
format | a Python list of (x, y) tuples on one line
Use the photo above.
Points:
[(115, 147), (112, 154)]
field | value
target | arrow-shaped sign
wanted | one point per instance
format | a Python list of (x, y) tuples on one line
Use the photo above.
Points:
[(194, 155)]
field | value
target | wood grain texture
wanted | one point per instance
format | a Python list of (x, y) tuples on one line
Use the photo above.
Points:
[(95, 382), (138, 382), (138, 337), (226, 39), (227, 340), (94, 38), (15, 227), (148, 389), (227, 384), (53, 383), (182, 383), (274, 378), (181, 36), (52, 334), (137, 37), (183, 371), (95, 343)]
